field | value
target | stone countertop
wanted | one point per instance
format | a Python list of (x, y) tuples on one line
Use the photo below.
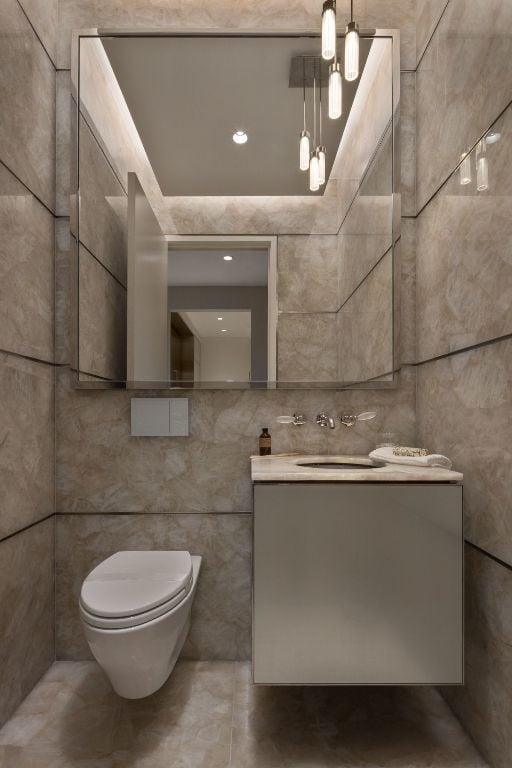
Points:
[(286, 468)]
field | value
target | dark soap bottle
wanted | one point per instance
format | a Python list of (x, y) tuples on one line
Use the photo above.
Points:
[(265, 442)]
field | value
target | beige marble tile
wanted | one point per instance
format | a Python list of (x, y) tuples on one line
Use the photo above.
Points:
[(43, 15), (26, 271), (277, 15), (208, 715), (306, 347), (73, 718), (464, 263), (463, 83), (365, 327), (428, 13), (26, 442), (484, 705), (27, 94), (26, 613), (65, 294), (307, 272), (102, 320), (221, 614), (358, 254), (64, 142), (103, 206), (408, 142), (405, 253), (463, 408), (100, 468)]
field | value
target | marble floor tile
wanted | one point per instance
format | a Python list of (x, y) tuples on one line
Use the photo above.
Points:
[(208, 715)]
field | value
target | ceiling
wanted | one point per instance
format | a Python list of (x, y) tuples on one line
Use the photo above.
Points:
[(206, 325), (208, 267), (188, 95)]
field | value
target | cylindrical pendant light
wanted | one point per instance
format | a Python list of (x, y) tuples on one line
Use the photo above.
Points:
[(304, 144), (352, 47), (329, 29), (482, 168), (314, 163), (314, 172), (335, 91), (465, 169)]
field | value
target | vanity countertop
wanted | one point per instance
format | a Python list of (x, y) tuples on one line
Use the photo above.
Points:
[(287, 468)]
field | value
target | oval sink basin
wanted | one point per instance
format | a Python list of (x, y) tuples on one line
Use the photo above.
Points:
[(334, 465)]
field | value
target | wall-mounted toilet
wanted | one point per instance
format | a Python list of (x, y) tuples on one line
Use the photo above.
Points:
[(135, 610)]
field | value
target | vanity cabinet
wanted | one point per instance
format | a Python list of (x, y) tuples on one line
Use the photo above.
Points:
[(358, 583)]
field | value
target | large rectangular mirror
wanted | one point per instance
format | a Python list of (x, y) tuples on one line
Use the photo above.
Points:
[(206, 257)]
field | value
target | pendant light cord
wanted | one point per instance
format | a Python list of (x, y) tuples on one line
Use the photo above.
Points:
[(351, 10), (314, 103), (304, 87), (320, 103)]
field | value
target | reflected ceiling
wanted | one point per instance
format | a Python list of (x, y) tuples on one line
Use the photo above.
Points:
[(188, 95)]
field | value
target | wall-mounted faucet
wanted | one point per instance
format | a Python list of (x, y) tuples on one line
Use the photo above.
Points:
[(324, 420)]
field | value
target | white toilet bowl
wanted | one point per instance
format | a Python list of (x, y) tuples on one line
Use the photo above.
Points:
[(135, 610)]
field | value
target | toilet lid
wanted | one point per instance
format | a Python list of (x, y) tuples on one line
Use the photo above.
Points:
[(128, 583)]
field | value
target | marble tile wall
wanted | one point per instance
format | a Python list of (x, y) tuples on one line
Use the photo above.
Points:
[(27, 422), (26, 612), (467, 55), (464, 324)]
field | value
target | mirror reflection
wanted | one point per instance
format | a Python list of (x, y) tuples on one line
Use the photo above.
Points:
[(223, 250)]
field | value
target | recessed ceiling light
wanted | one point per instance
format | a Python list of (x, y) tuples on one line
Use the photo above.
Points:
[(224, 330), (492, 137), (220, 318), (240, 137), (228, 258)]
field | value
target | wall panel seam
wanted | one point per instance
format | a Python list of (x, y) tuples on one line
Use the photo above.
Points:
[(488, 554), (38, 360), (36, 34), (34, 195), (26, 527), (463, 350), (431, 36)]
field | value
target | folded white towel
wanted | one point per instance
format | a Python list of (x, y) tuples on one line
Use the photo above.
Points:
[(386, 456)]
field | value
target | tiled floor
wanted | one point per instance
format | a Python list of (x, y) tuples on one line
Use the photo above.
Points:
[(209, 716)]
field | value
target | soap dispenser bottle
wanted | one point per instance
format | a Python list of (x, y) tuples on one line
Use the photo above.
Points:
[(265, 442)]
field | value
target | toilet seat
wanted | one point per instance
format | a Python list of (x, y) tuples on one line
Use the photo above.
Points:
[(131, 588)]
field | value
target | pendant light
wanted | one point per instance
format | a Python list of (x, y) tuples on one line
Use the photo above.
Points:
[(335, 91), (329, 29), (482, 168), (465, 169), (304, 148), (321, 149), (314, 163), (352, 47)]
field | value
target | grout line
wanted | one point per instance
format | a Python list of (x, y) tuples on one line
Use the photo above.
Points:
[(112, 275), (34, 30), (31, 359), (149, 514), (489, 555), (83, 115), (429, 39), (463, 350), (26, 528), (30, 191)]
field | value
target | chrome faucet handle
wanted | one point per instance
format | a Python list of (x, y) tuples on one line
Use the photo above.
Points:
[(349, 421), (324, 420), (297, 419)]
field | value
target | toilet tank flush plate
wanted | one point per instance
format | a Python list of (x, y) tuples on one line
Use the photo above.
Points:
[(159, 417)]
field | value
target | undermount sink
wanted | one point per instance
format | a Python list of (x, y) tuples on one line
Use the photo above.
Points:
[(331, 465), (335, 465)]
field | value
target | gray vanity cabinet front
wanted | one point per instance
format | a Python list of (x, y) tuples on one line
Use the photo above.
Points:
[(358, 584)]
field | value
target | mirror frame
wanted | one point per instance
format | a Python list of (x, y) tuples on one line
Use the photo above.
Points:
[(97, 33)]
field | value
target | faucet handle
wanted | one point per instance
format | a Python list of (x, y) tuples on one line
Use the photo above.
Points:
[(349, 421), (297, 419)]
